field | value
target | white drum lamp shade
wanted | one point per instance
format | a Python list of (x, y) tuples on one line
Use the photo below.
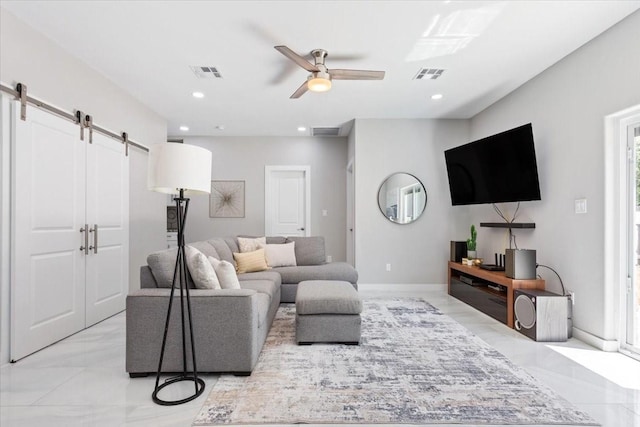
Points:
[(174, 166)]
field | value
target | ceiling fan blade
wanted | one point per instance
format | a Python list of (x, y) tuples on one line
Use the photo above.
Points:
[(296, 58), (300, 91), (356, 74)]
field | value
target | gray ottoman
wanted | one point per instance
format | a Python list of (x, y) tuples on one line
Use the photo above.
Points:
[(327, 311)]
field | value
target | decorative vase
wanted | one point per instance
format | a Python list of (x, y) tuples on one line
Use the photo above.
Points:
[(472, 254)]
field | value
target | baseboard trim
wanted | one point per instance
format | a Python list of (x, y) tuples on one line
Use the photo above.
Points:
[(403, 287), (597, 342)]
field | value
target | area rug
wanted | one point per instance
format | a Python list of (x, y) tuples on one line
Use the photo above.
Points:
[(414, 365)]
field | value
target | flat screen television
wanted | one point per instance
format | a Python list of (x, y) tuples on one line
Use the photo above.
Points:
[(495, 169)]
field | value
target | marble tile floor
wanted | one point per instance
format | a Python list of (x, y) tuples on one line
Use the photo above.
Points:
[(81, 380)]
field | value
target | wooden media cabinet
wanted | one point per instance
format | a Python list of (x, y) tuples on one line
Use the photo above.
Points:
[(495, 303)]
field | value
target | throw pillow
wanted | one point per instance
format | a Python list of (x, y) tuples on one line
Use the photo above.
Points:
[(202, 272), (226, 273), (250, 261), (247, 244), (162, 265), (283, 255)]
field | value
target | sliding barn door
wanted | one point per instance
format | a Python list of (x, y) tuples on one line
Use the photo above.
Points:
[(70, 222), (48, 211), (108, 217)]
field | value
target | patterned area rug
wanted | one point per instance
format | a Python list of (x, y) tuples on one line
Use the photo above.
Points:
[(414, 365)]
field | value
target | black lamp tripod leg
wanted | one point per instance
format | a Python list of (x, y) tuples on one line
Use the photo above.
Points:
[(179, 273)]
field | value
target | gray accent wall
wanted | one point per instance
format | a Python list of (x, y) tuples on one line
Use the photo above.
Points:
[(417, 252), (245, 158), (567, 105), (54, 76)]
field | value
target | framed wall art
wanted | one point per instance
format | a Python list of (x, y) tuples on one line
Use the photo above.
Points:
[(226, 199)]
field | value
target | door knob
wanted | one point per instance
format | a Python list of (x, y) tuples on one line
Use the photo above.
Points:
[(301, 229)]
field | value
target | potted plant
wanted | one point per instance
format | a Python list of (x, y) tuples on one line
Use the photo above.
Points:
[(471, 243)]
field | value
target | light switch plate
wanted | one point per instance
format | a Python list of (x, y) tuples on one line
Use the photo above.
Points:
[(581, 206)]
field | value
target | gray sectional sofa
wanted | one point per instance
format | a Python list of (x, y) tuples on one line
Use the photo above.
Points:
[(230, 325)]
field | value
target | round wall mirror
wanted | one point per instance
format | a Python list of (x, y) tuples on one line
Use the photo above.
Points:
[(402, 198)]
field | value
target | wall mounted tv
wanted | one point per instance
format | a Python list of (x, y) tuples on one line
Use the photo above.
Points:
[(499, 168)]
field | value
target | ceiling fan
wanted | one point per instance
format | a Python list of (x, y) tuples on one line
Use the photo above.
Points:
[(320, 78)]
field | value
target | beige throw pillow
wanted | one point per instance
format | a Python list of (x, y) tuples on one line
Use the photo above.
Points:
[(202, 272), (247, 244), (226, 273), (250, 261), (283, 255)]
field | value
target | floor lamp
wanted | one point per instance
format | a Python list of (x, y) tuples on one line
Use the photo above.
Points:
[(181, 169)]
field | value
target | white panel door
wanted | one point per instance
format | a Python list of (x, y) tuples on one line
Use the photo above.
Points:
[(48, 207), (287, 201), (107, 277)]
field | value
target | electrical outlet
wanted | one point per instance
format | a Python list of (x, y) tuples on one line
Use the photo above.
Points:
[(329, 258), (388, 267), (573, 297)]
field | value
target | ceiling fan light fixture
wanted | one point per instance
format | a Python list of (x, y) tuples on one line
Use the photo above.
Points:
[(318, 84)]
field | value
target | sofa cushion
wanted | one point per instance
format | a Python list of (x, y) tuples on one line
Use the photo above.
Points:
[(248, 262), (226, 273), (309, 250), (329, 271), (201, 270), (262, 286), (232, 243), (206, 248), (162, 265), (276, 240), (280, 255), (250, 244), (221, 247), (261, 275)]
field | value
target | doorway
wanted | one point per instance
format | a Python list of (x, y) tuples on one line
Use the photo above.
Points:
[(287, 200), (351, 216), (631, 318)]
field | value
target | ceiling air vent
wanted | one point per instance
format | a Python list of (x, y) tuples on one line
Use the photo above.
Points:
[(206, 72), (428, 74), (325, 131)]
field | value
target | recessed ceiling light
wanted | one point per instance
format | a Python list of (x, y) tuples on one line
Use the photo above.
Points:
[(184, 128), (198, 94), (436, 96), (301, 128)]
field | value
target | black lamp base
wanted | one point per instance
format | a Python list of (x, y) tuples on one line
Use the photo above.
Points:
[(199, 389), (180, 282)]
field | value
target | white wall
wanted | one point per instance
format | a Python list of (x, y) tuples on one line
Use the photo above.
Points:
[(240, 158), (418, 252), (567, 105), (54, 76)]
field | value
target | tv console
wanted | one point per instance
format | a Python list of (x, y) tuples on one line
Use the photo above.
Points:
[(490, 292)]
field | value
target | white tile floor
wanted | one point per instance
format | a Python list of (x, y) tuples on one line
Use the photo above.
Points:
[(81, 381)]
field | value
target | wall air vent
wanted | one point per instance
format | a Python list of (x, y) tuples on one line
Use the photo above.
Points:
[(428, 74), (206, 72), (326, 131)]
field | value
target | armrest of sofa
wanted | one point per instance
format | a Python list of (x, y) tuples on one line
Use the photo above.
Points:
[(225, 326)]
